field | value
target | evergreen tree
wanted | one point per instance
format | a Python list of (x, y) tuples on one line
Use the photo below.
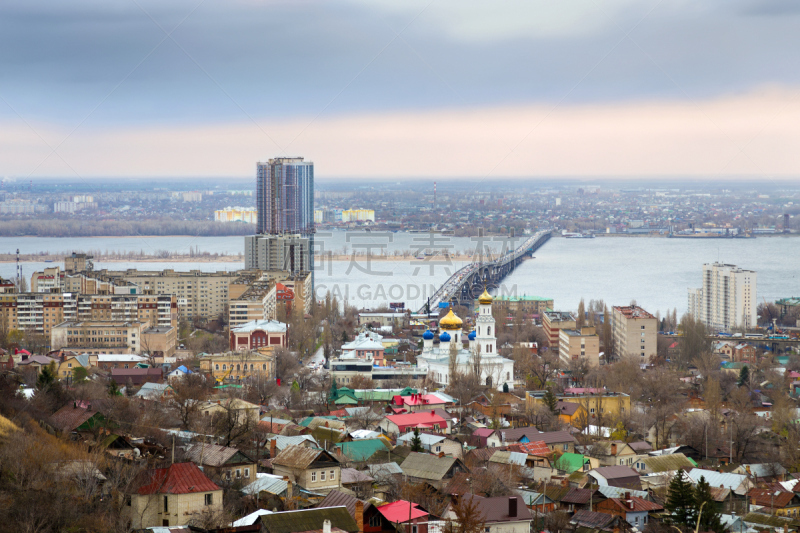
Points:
[(704, 504), (550, 401), (344, 337), (505, 387), (744, 376), (47, 375), (681, 501), (416, 442), (113, 389)]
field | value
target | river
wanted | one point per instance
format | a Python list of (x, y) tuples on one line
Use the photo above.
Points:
[(654, 271)]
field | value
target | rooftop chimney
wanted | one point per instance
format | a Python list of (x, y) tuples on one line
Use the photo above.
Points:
[(289, 491), (613, 448), (360, 515), (273, 448), (326, 526), (512, 507)]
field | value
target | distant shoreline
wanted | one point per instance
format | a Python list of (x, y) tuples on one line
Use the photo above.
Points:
[(58, 259)]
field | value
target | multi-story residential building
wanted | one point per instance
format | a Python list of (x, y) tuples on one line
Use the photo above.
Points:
[(574, 345), (53, 279), (285, 196), (288, 252), (199, 294), (727, 299), (43, 311), (236, 214), (530, 305), (258, 302), (635, 332), (358, 215), (553, 322), (99, 336)]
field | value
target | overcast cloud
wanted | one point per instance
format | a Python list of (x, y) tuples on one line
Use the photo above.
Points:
[(108, 68)]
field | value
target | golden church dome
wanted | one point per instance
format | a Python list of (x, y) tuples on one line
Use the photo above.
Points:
[(450, 321), (485, 298)]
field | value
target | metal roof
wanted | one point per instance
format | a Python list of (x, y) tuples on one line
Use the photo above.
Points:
[(509, 458), (619, 492), (717, 479), (215, 455), (666, 463), (266, 483), (426, 466)]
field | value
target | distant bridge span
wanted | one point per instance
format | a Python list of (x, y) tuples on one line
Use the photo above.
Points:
[(464, 283)]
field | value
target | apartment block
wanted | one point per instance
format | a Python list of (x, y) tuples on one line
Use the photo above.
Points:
[(727, 299), (574, 345), (98, 336), (553, 322), (258, 302), (289, 252), (635, 332), (199, 294), (530, 305), (43, 311)]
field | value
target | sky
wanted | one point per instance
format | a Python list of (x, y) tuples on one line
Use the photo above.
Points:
[(632, 89)]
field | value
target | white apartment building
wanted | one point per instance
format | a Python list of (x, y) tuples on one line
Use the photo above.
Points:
[(727, 299)]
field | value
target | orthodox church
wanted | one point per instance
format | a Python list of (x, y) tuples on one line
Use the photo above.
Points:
[(495, 371)]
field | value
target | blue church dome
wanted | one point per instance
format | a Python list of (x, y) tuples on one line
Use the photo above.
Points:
[(428, 335), (471, 335), (444, 337)]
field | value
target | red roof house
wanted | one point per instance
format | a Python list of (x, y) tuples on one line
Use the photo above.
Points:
[(399, 424), (153, 496)]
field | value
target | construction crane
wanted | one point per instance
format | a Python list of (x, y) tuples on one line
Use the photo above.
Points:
[(224, 376)]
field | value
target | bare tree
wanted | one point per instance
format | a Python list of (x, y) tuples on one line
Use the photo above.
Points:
[(188, 394)]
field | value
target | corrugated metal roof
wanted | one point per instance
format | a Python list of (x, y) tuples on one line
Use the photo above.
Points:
[(509, 458), (384, 469), (400, 511), (308, 520), (297, 456), (426, 438), (666, 463), (361, 450), (179, 478), (425, 466), (337, 498), (282, 441), (214, 455), (619, 492), (250, 519), (717, 479), (266, 483)]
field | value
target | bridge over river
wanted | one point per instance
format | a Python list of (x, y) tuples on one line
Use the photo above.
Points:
[(467, 283)]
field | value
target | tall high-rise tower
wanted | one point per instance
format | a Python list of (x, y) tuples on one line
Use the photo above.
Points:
[(285, 196), (727, 299)]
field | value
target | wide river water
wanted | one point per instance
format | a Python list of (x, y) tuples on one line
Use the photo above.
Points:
[(654, 271)]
